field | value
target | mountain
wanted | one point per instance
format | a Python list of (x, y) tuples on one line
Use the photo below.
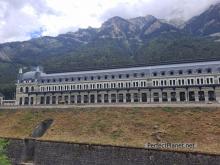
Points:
[(118, 42), (205, 24)]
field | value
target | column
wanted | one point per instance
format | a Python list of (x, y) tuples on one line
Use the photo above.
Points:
[(160, 96), (109, 97), (95, 94), (169, 96), (132, 97), (102, 98), (124, 97), (35, 100), (196, 96), (82, 98), (69, 95), (217, 93), (56, 98), (116, 97)]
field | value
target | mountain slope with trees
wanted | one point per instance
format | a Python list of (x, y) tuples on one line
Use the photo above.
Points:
[(117, 43)]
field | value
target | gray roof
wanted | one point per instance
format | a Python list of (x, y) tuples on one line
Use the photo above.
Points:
[(148, 70), (31, 75), (1, 95)]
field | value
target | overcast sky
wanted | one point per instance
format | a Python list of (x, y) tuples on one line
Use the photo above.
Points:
[(24, 19)]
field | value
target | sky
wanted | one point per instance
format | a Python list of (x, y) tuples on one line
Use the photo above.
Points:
[(25, 19)]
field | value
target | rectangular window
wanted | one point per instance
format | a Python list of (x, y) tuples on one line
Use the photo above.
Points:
[(156, 97)]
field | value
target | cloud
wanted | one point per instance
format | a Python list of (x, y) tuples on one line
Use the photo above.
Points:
[(20, 18), (166, 9), (24, 19)]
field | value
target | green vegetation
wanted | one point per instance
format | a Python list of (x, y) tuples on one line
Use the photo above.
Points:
[(61, 55), (3, 158)]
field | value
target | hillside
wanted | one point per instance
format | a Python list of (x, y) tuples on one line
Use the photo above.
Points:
[(118, 42), (120, 126)]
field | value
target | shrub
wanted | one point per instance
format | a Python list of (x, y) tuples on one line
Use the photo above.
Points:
[(3, 157)]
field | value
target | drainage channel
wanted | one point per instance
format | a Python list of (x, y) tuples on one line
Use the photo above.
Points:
[(29, 143)]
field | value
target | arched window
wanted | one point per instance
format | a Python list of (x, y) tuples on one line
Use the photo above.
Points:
[(32, 89), (21, 89), (26, 90)]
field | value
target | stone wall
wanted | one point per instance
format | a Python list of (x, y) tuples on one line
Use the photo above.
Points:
[(58, 153)]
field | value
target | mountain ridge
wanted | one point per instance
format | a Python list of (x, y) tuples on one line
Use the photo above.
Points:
[(118, 42)]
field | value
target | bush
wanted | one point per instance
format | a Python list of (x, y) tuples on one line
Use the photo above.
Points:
[(3, 157)]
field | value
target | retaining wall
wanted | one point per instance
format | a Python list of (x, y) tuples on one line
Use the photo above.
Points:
[(60, 153)]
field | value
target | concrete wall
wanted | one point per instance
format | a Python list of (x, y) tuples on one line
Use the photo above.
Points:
[(58, 153)]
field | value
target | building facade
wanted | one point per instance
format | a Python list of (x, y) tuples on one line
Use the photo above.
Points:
[(175, 83)]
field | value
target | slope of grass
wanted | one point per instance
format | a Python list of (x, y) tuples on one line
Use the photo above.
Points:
[(120, 126)]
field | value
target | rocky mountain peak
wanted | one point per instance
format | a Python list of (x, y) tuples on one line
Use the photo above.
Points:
[(115, 21), (206, 23), (142, 21)]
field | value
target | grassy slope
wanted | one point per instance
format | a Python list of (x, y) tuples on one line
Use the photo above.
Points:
[(120, 126)]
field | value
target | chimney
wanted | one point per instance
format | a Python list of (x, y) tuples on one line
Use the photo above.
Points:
[(20, 71)]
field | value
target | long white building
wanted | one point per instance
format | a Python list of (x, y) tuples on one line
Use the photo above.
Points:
[(187, 82)]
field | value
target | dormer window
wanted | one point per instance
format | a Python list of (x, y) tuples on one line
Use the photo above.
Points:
[(180, 72), (190, 71), (209, 70), (85, 78), (54, 80), (106, 77), (127, 75), (66, 79), (142, 74), (92, 78), (119, 76), (79, 78), (171, 73), (155, 74), (113, 77), (163, 73), (99, 77), (135, 74), (199, 71)]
